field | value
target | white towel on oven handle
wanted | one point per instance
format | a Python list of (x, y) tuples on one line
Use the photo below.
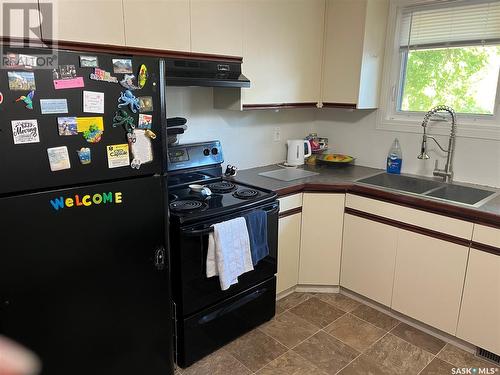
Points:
[(228, 254)]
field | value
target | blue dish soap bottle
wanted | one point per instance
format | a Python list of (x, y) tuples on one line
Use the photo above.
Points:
[(394, 158)]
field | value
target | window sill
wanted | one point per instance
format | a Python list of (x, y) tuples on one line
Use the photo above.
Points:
[(465, 129)]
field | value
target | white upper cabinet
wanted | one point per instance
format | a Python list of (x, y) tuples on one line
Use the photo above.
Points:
[(217, 27), (282, 43), (353, 52), (15, 10), (161, 24), (90, 21)]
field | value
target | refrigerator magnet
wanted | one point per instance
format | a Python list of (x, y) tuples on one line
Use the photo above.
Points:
[(93, 102), (53, 106), (102, 75), (128, 99), (85, 156), (143, 76), (118, 155), (122, 66), (145, 121), (91, 128), (89, 62), (1, 97), (67, 126), (21, 81), (64, 77), (128, 82), (145, 104), (58, 158), (25, 131), (27, 99), (122, 118), (142, 150)]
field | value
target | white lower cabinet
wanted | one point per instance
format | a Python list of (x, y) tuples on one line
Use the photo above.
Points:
[(428, 279), (368, 257), (321, 238), (479, 321), (288, 251)]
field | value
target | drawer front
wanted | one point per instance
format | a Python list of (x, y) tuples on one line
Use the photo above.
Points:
[(486, 235), (290, 202), (434, 222)]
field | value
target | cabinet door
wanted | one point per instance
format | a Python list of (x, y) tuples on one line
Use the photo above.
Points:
[(14, 14), (321, 238), (480, 313), (345, 25), (226, 38), (428, 279), (368, 258), (162, 24), (91, 21), (288, 251), (282, 43)]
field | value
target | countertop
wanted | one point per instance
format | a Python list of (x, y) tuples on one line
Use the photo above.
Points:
[(343, 179)]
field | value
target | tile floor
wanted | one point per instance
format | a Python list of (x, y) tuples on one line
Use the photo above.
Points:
[(322, 334)]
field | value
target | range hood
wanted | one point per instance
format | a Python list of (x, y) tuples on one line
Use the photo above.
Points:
[(206, 73)]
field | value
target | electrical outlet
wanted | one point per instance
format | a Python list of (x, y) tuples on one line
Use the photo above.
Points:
[(277, 134)]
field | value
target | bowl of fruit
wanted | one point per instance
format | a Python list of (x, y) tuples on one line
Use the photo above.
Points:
[(334, 159)]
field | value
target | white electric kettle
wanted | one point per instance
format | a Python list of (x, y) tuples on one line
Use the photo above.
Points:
[(296, 153)]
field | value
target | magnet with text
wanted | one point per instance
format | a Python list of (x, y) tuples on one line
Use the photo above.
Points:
[(53, 106), (58, 158), (143, 76), (27, 99), (145, 104), (85, 156), (122, 118), (118, 155), (102, 75), (128, 82), (64, 77), (25, 131), (128, 99), (141, 147)]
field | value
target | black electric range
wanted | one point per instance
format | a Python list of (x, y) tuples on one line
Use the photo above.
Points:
[(206, 317)]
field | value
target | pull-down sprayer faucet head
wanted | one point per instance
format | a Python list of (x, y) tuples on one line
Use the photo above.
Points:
[(423, 150)]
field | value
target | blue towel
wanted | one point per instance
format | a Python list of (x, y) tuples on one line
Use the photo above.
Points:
[(257, 231)]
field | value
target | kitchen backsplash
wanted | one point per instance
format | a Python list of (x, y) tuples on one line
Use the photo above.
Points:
[(247, 137)]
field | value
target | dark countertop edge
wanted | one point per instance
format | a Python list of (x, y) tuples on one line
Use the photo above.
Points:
[(456, 212)]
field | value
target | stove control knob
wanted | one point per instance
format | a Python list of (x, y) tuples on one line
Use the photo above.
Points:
[(215, 151), (206, 152)]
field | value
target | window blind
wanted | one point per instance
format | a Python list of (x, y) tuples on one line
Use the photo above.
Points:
[(451, 23)]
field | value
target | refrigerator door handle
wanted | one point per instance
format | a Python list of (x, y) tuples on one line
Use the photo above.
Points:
[(160, 259)]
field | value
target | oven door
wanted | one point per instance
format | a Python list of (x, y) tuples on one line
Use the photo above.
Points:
[(192, 290)]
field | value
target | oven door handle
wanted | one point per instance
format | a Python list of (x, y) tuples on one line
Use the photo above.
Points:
[(198, 232)]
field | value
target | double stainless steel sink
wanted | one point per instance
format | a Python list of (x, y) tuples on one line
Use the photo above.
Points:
[(430, 188)]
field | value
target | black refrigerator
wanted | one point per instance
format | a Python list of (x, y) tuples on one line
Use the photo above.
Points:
[(84, 274)]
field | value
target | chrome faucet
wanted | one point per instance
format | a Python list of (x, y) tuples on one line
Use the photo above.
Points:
[(447, 172)]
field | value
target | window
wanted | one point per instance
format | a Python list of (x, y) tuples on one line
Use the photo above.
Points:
[(443, 52), (450, 55)]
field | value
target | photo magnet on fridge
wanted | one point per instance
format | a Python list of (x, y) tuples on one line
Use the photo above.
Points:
[(89, 62), (122, 66), (145, 104), (25, 131), (67, 126), (145, 121), (21, 81), (102, 75), (65, 77), (58, 158)]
